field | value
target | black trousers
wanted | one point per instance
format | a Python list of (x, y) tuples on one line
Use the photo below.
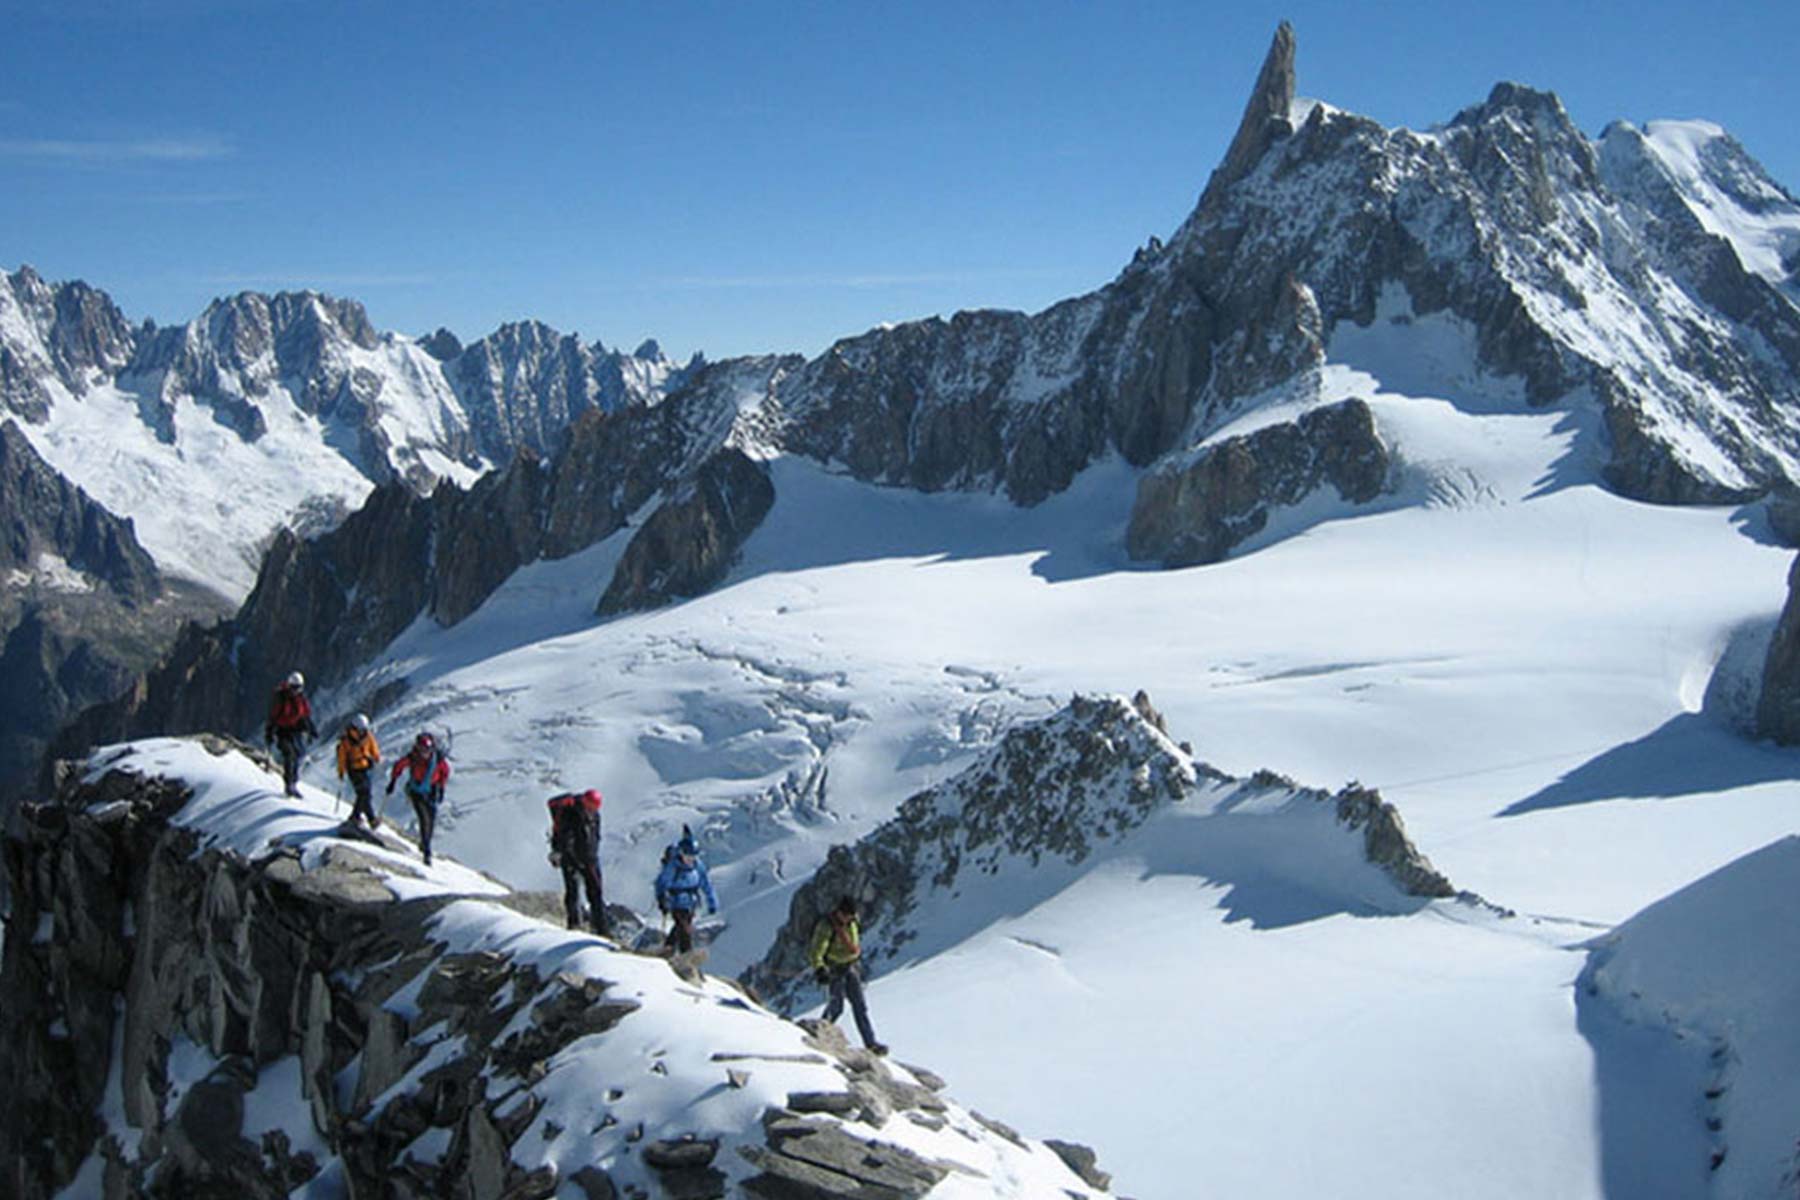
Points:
[(364, 806), (579, 873), (425, 805), (846, 983), (290, 743)]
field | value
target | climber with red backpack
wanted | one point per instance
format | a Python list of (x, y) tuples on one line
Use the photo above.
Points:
[(427, 770), (290, 723), (575, 849)]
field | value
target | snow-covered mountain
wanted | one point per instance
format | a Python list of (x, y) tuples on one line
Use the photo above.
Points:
[(1388, 408), (279, 410)]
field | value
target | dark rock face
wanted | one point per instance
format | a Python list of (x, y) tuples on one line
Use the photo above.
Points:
[(442, 345), (688, 544), (1185, 515), (1054, 789), (43, 513), (82, 607), (1778, 709), (158, 977), (1265, 114)]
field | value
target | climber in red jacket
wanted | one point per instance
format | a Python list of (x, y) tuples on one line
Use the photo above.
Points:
[(290, 723)]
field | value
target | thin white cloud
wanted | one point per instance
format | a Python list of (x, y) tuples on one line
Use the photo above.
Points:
[(105, 152), (870, 280)]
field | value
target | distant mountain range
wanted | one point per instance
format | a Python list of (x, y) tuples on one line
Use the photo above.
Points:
[(193, 421)]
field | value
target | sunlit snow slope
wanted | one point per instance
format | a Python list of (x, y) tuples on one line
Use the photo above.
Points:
[(1527, 665)]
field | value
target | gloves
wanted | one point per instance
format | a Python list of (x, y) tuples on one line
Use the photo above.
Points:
[(712, 910), (555, 859), (662, 908), (823, 976), (390, 787)]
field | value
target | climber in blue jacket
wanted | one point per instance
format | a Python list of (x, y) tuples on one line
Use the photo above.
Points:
[(679, 886)]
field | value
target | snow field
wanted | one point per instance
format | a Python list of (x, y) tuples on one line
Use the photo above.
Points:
[(1518, 659)]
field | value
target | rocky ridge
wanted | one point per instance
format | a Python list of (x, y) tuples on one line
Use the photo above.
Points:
[(212, 992), (1052, 795)]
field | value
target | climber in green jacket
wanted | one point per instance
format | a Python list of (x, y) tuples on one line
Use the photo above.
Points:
[(836, 958)]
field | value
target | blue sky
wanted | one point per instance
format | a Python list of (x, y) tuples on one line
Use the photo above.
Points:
[(737, 177)]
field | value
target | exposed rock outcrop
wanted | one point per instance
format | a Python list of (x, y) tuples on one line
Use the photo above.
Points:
[(1778, 707), (42, 513), (83, 608), (690, 542), (1196, 512), (1265, 113), (1057, 791), (191, 1009)]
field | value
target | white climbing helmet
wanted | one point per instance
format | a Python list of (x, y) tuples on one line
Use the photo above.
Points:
[(296, 680), (360, 721)]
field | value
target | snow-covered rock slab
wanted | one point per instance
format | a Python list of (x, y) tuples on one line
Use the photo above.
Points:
[(233, 995)]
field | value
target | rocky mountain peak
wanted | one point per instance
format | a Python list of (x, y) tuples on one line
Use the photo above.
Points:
[(64, 336), (1508, 96), (442, 345), (1265, 113)]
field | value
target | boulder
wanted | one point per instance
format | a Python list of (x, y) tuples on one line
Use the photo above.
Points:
[(1196, 513)]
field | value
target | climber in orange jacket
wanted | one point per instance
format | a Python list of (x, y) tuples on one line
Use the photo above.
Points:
[(357, 754)]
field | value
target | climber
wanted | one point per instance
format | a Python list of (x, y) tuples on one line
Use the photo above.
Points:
[(575, 848), (290, 723), (679, 886), (357, 754), (836, 958), (427, 769)]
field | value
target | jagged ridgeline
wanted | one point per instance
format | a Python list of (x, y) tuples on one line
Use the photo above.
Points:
[(1576, 272), (1097, 779), (207, 991)]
